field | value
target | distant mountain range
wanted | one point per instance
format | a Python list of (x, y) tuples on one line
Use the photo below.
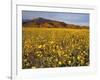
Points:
[(47, 23)]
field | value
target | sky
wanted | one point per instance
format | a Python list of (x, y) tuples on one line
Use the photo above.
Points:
[(71, 18)]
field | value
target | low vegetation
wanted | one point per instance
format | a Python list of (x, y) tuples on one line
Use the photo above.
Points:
[(54, 47)]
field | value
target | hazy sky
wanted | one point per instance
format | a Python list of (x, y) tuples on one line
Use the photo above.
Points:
[(72, 18)]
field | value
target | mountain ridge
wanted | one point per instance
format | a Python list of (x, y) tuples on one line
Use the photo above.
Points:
[(48, 23)]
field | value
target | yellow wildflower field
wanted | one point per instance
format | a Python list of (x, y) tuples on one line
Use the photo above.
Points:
[(54, 47)]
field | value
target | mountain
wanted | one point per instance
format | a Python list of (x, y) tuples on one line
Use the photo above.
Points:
[(47, 23)]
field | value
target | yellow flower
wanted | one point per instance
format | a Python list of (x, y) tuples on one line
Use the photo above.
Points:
[(44, 45), (84, 52), (38, 55), (59, 62), (56, 59), (51, 42), (27, 64), (65, 55), (69, 62), (78, 57), (40, 46), (25, 60), (82, 61)]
